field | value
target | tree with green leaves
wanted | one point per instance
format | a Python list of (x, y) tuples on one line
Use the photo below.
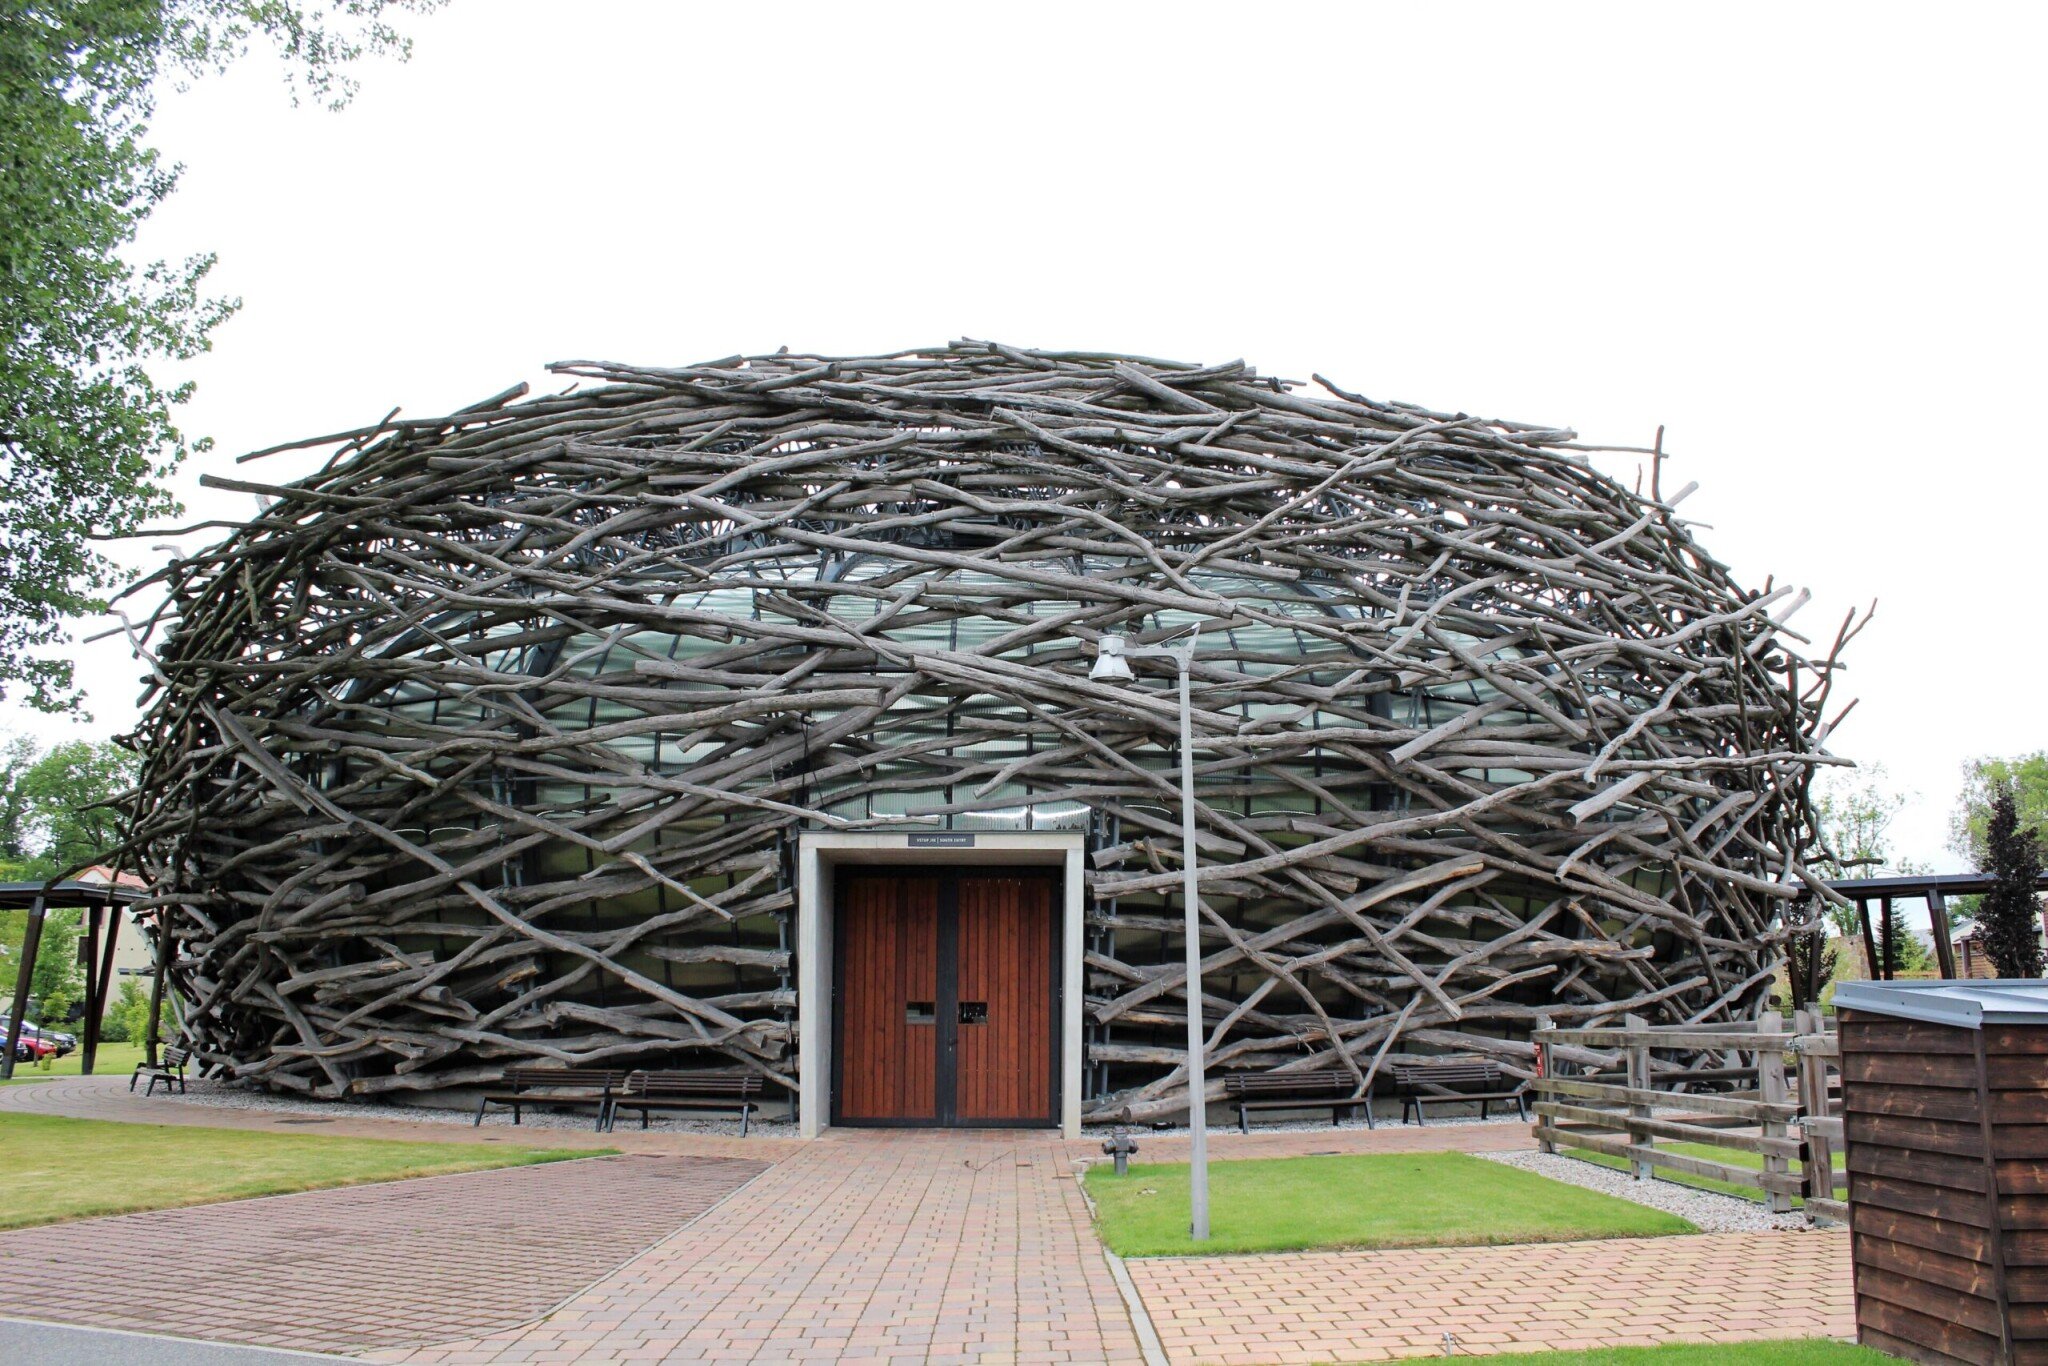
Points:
[(128, 1016), (18, 755), (57, 814), (2010, 914), (70, 793), (1897, 944), (1856, 812), (88, 436), (2024, 775), (1810, 964), (58, 982)]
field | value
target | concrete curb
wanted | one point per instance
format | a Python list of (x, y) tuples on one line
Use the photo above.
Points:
[(1148, 1336)]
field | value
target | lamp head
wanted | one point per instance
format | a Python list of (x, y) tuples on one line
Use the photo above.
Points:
[(1110, 665)]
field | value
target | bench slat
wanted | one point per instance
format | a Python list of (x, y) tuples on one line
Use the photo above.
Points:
[(650, 1091), (555, 1076), (1311, 1083), (1455, 1082)]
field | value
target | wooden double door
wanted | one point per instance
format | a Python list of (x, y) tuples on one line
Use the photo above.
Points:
[(946, 1001)]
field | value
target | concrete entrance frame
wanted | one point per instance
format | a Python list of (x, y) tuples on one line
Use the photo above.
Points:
[(821, 852)]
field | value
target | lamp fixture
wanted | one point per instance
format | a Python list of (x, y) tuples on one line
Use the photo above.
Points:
[(1113, 656), (1110, 665)]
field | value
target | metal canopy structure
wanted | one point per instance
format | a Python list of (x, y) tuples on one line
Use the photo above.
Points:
[(101, 901), (1934, 889)]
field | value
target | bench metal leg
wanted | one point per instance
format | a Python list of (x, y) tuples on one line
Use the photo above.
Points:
[(478, 1122), (152, 1087), (746, 1117), (1367, 1107), (1522, 1105), (1244, 1119), (1482, 1108)]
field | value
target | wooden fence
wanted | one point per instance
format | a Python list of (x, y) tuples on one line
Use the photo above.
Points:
[(1762, 1090)]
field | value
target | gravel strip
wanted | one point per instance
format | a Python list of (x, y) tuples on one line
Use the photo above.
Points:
[(229, 1097), (1708, 1211)]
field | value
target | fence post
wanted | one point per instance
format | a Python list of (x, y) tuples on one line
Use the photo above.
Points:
[(1639, 1078), (1819, 1162), (1544, 1065), (1770, 1078)]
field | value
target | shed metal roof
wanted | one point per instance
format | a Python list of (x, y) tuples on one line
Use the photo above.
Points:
[(1965, 1004)]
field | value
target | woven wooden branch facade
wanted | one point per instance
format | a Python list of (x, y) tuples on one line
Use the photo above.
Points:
[(490, 743)]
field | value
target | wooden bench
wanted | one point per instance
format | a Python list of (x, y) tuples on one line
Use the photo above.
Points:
[(169, 1069), (1294, 1091), (651, 1091), (525, 1086), (1417, 1083)]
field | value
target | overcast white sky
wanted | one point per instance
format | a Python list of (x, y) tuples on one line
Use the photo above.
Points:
[(1806, 239)]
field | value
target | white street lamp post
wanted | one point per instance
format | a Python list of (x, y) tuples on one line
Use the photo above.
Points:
[(1111, 665)]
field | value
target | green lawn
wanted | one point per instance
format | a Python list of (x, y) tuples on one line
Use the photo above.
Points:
[(1733, 1157), (1784, 1352), (113, 1060), (60, 1168), (1376, 1200)]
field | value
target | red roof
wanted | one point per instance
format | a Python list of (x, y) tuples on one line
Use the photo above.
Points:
[(101, 873)]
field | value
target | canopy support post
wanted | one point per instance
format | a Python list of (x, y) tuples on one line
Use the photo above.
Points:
[(1937, 924), (154, 1037), (31, 940), (1870, 959), (96, 1001)]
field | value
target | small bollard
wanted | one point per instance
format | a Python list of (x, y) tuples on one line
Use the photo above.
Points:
[(1120, 1145)]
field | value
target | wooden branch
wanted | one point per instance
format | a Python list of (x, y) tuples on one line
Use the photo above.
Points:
[(490, 741)]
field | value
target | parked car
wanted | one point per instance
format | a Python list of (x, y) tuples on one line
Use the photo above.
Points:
[(37, 1044), (27, 1049)]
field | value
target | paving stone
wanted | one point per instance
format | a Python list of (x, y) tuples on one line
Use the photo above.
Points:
[(364, 1266), (1365, 1306), (879, 1245)]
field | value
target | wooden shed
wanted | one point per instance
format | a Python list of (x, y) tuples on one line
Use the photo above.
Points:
[(1945, 1092)]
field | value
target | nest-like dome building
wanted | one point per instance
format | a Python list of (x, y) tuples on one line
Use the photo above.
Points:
[(740, 716)]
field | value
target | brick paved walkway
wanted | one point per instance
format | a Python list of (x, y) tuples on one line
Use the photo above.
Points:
[(976, 1247), (1372, 1306), (365, 1266), (868, 1244)]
